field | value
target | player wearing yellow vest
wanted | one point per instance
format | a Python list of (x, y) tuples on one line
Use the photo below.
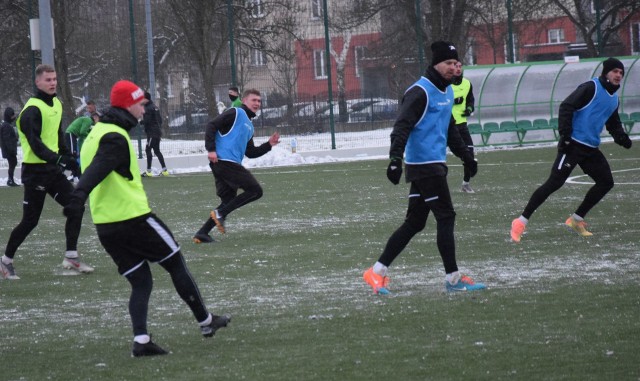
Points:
[(45, 157), (463, 106), (130, 233)]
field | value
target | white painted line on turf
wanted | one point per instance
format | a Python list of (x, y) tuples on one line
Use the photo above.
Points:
[(573, 179)]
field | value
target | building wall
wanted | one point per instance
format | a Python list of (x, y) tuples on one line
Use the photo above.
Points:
[(309, 85)]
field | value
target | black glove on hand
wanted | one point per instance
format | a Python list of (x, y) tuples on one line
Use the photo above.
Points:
[(67, 162), (622, 140), (458, 100), (75, 208), (564, 145), (394, 171), (467, 112), (470, 163), (472, 166)]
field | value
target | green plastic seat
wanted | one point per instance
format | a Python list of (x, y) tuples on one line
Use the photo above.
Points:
[(540, 124), (508, 125)]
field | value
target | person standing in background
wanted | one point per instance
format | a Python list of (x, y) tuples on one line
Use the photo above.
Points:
[(463, 106), (234, 95), (152, 122), (9, 144)]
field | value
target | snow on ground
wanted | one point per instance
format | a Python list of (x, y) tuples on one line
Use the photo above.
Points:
[(310, 149)]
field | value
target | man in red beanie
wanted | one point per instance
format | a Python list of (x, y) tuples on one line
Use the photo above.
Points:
[(128, 230), (45, 157), (582, 116)]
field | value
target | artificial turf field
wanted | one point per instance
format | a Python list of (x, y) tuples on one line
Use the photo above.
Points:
[(558, 306)]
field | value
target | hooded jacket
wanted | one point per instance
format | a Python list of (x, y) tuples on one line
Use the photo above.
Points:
[(8, 136), (152, 120)]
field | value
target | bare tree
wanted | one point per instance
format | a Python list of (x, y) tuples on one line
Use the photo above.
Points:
[(16, 63), (613, 15), (202, 24)]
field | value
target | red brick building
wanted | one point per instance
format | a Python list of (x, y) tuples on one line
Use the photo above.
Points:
[(541, 40)]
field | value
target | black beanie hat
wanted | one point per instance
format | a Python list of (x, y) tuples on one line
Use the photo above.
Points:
[(610, 64), (443, 51)]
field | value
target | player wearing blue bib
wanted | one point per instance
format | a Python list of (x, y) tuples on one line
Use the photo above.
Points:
[(582, 116)]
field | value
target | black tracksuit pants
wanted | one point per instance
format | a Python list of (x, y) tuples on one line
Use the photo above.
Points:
[(230, 177), (426, 195), (592, 162), (36, 190)]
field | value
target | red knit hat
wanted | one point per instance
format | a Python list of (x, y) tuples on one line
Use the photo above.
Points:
[(126, 93)]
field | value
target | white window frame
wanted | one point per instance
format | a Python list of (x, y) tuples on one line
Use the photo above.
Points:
[(555, 36), (319, 64), (316, 9), (258, 57), (635, 38), (360, 52), (256, 8), (169, 87)]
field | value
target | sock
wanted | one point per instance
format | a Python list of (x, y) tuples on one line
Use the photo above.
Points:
[(524, 220), (6, 260), (71, 254), (164, 169), (206, 321), (380, 269), (142, 339), (465, 183), (577, 217), (453, 277)]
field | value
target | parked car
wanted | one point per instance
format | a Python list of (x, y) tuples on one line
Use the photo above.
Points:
[(180, 124)]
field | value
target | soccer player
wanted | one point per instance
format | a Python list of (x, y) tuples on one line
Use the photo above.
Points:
[(228, 138), (45, 157), (421, 133), (130, 233), (582, 116), (463, 106)]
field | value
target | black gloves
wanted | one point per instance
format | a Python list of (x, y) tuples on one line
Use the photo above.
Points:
[(75, 208), (564, 145), (472, 166), (394, 171), (470, 163), (67, 162), (622, 140), (467, 112), (458, 100)]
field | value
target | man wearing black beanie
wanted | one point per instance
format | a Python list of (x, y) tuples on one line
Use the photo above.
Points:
[(582, 116), (421, 133)]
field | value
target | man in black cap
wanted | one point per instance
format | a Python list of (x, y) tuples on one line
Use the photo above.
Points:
[(582, 116), (421, 133)]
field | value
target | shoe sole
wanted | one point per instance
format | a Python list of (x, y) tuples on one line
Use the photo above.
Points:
[(226, 319), (71, 267), (196, 240), (571, 229)]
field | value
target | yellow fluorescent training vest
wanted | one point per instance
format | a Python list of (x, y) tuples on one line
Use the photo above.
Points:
[(461, 90), (51, 117), (116, 198)]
